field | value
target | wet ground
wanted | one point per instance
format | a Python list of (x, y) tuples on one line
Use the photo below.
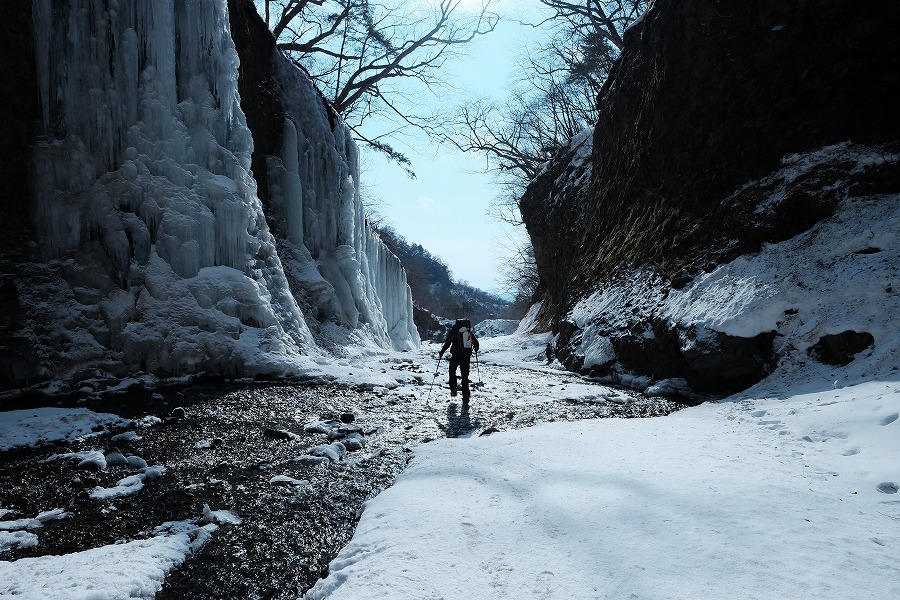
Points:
[(223, 449)]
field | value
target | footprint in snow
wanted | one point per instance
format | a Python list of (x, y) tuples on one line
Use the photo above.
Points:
[(851, 451), (887, 487), (889, 419), (759, 413)]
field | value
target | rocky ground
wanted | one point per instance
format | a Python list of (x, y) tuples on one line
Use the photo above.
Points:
[(267, 452)]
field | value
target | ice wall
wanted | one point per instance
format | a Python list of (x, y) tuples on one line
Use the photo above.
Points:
[(338, 266), (160, 257), (155, 253)]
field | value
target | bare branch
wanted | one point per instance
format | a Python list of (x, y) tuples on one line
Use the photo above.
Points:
[(355, 49), (556, 97)]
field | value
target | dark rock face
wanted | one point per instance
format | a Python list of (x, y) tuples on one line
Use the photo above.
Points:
[(840, 349), (553, 211), (260, 103), (19, 108), (261, 91), (706, 97), (430, 327), (713, 365)]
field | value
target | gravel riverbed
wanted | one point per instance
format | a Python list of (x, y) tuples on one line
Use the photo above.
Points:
[(266, 452)]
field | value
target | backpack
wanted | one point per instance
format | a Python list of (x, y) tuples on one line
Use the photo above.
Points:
[(466, 338), (463, 336)]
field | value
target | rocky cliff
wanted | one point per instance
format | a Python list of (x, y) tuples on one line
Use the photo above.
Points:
[(725, 129)]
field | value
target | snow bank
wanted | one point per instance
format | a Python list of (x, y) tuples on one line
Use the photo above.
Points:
[(757, 497), (133, 569), (45, 425)]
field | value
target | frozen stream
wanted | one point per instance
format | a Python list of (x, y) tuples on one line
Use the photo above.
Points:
[(245, 448)]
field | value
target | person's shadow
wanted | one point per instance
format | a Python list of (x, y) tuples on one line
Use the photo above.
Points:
[(458, 423)]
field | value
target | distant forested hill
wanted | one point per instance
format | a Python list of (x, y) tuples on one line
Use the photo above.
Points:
[(434, 288)]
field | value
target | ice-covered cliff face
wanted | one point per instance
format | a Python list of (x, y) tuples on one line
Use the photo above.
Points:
[(159, 257), (314, 193)]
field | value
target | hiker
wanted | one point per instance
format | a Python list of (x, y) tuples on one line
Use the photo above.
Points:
[(461, 341)]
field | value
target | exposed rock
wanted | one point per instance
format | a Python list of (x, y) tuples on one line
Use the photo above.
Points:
[(18, 110), (430, 327), (709, 363), (280, 434), (114, 457), (353, 441), (136, 462), (839, 349), (707, 97), (334, 451), (704, 99), (553, 211)]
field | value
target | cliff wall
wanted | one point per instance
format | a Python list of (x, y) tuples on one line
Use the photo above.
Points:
[(706, 107)]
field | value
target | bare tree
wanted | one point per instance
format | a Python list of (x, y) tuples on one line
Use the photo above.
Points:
[(520, 275), (556, 97), (359, 52), (519, 137), (600, 19)]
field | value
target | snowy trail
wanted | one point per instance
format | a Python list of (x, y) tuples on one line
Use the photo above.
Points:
[(753, 498)]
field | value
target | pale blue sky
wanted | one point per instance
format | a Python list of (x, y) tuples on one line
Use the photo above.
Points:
[(445, 208)]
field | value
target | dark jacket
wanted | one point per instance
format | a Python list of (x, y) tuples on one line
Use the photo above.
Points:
[(455, 339)]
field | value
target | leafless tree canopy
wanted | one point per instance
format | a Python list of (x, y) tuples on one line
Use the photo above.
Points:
[(606, 19), (556, 97), (358, 50)]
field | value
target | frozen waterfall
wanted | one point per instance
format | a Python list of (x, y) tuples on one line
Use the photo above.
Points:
[(314, 188), (158, 253)]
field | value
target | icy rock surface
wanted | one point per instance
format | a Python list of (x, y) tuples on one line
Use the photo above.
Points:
[(159, 255), (833, 285), (330, 252)]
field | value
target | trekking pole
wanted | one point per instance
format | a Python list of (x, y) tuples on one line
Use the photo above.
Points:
[(478, 368), (437, 369)]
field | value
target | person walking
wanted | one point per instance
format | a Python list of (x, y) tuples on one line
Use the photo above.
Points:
[(462, 342)]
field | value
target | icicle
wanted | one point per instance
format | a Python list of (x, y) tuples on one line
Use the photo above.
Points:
[(292, 187), (42, 14)]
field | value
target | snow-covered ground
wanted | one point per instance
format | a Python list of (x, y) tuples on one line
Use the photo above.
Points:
[(771, 494), (779, 491)]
